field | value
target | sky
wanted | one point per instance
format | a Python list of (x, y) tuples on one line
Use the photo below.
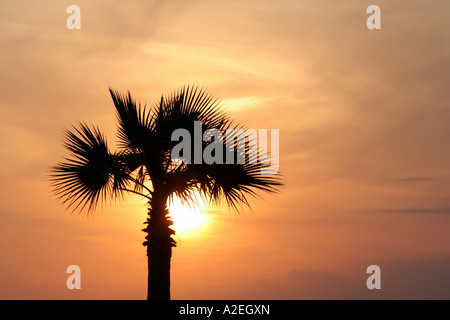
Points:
[(363, 119)]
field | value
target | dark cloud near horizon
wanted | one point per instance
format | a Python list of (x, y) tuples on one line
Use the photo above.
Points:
[(414, 179), (424, 278), (413, 210)]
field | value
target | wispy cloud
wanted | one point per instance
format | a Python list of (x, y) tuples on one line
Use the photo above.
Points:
[(414, 179), (412, 210)]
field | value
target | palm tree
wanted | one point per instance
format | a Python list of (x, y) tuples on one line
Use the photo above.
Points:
[(143, 165)]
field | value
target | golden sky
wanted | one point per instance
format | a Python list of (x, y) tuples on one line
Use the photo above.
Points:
[(364, 145)]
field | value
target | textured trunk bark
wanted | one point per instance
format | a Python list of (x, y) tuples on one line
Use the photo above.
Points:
[(159, 250)]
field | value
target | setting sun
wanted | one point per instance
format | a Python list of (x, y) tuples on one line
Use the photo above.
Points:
[(186, 217)]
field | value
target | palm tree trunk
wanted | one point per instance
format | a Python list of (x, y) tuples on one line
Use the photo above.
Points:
[(159, 250)]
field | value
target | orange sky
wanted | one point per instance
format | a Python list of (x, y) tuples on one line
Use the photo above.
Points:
[(364, 126)]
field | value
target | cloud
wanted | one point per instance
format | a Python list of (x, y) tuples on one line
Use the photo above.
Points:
[(425, 278), (413, 210), (414, 179)]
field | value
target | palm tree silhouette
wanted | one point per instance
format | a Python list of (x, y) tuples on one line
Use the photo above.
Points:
[(143, 165)]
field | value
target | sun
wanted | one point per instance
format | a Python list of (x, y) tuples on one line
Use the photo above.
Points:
[(186, 218)]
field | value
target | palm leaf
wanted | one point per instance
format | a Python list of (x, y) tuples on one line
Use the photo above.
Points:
[(234, 181), (181, 108), (135, 123), (91, 173)]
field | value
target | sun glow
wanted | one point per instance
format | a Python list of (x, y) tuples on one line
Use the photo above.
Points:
[(186, 218)]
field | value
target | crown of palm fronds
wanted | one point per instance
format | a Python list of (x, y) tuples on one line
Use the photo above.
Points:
[(92, 173)]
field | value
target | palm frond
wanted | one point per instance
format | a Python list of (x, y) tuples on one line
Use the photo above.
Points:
[(233, 181), (135, 123), (182, 107), (91, 173), (208, 109)]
